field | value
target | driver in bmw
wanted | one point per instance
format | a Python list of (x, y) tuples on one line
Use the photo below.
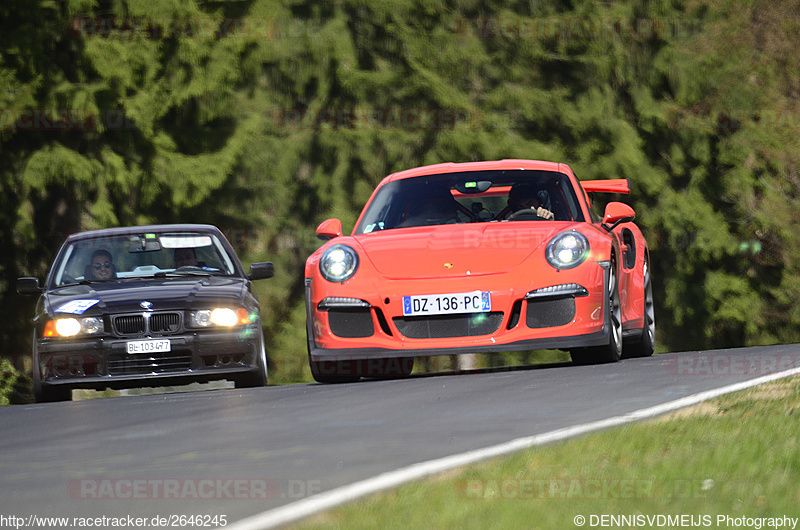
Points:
[(102, 266), (524, 196), (185, 257)]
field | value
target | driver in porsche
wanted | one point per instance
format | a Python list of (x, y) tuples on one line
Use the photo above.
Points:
[(524, 196)]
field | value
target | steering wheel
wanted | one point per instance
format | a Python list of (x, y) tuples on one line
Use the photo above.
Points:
[(526, 214)]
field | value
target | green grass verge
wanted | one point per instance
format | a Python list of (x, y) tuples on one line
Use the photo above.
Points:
[(737, 456)]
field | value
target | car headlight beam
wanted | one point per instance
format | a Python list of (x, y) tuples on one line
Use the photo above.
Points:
[(339, 263), (221, 316), (69, 327), (567, 250)]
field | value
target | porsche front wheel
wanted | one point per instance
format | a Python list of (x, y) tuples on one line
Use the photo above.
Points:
[(611, 352)]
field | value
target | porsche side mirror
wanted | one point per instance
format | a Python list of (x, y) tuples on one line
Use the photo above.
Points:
[(261, 271), (28, 286), (616, 213), (329, 229)]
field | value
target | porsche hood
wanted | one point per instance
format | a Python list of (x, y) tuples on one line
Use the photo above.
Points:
[(455, 250)]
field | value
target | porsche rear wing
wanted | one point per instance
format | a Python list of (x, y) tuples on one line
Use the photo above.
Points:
[(607, 186)]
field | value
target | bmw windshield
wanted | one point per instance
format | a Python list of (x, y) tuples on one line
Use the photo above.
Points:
[(123, 256)]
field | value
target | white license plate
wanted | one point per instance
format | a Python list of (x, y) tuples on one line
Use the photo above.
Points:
[(148, 346), (446, 304)]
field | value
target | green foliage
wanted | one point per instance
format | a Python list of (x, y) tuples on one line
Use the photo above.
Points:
[(15, 388), (267, 117)]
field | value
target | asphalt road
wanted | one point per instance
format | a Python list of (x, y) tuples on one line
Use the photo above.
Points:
[(240, 452)]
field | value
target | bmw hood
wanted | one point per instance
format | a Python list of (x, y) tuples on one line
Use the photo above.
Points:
[(152, 294), (456, 250)]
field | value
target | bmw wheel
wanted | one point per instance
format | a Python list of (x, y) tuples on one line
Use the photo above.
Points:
[(259, 376)]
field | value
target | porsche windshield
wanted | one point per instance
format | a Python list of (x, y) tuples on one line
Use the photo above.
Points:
[(469, 197), (134, 255)]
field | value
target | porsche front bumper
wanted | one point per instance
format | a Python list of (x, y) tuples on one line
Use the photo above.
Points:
[(558, 310)]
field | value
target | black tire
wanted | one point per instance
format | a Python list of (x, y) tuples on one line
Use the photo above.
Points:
[(388, 368), (50, 394), (645, 344), (611, 352), (334, 371), (258, 377)]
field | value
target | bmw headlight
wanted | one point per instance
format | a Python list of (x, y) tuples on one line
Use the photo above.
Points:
[(69, 327), (338, 263), (567, 250), (221, 316)]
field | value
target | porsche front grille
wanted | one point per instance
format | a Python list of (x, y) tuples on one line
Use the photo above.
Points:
[(351, 323), (550, 313), (447, 326), (144, 323)]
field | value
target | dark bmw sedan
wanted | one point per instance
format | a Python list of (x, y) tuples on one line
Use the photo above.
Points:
[(146, 306)]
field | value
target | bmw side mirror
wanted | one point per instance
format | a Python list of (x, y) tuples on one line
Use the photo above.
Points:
[(261, 271), (28, 286)]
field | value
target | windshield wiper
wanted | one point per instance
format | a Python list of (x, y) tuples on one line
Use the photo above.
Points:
[(73, 284), (173, 274)]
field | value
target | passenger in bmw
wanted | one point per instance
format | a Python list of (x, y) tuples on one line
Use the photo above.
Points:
[(102, 266)]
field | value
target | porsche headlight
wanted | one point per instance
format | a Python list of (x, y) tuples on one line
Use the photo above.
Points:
[(567, 250), (338, 263), (69, 327), (221, 316)]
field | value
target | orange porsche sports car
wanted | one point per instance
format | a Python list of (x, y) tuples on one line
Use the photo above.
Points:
[(478, 257)]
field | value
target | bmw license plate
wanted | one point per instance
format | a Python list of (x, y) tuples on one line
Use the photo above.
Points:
[(445, 304), (148, 346)]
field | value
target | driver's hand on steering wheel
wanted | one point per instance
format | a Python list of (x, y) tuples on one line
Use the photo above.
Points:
[(544, 213), (539, 211)]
